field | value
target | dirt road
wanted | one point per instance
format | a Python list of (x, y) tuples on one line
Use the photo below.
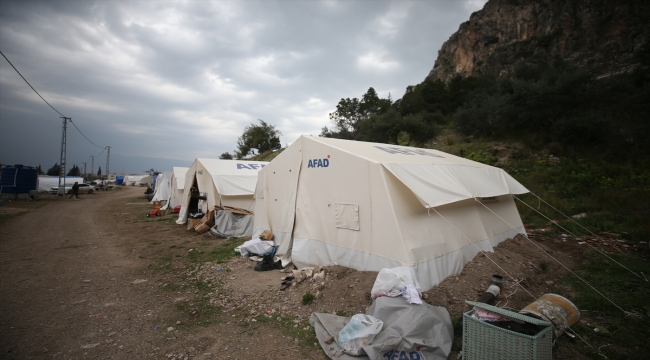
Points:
[(77, 282)]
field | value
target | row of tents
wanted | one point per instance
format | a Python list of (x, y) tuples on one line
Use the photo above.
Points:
[(361, 205)]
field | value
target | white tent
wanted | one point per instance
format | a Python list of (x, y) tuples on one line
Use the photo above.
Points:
[(224, 183), (177, 185), (45, 183), (133, 180), (162, 190), (370, 206)]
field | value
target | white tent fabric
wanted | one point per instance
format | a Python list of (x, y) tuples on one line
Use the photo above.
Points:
[(45, 183), (371, 206), (133, 180), (177, 185), (162, 190), (224, 183)]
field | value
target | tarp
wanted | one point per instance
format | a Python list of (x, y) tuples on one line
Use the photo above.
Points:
[(409, 331), (177, 185), (162, 189), (227, 224), (45, 183), (370, 206), (223, 182)]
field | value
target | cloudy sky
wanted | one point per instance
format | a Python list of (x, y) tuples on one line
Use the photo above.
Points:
[(178, 80)]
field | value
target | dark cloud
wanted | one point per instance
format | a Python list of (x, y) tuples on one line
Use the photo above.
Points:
[(179, 80)]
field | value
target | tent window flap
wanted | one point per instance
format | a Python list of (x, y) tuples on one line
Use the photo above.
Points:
[(347, 216)]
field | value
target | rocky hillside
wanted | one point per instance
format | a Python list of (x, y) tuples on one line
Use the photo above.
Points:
[(599, 35)]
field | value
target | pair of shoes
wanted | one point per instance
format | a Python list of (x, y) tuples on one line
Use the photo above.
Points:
[(285, 284)]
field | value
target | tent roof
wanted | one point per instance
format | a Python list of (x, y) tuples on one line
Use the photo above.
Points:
[(179, 174), (233, 177), (435, 177)]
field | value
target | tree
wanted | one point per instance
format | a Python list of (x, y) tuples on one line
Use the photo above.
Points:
[(75, 171), (152, 172), (350, 115), (40, 172), (54, 170), (263, 137), (99, 172), (226, 156)]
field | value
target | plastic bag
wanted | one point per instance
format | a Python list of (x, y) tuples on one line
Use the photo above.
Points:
[(391, 282), (359, 332)]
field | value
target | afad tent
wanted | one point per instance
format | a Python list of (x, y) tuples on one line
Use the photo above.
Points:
[(46, 183), (225, 183), (177, 185), (162, 188), (370, 206)]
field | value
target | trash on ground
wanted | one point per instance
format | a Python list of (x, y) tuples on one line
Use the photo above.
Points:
[(398, 281), (360, 331)]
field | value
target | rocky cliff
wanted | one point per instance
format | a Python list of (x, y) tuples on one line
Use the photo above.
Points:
[(599, 35)]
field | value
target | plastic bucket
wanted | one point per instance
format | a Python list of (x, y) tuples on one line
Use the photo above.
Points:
[(555, 309)]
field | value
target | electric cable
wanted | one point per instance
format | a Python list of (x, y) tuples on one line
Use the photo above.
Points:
[(30, 85)]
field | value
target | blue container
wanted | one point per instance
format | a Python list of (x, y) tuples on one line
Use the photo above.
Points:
[(18, 179), (119, 180), (153, 184)]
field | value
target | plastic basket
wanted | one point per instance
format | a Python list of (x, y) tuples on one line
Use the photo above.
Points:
[(482, 340)]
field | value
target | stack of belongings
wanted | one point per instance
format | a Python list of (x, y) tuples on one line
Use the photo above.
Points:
[(263, 247), (398, 325)]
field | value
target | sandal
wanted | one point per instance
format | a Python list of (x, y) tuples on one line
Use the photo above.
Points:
[(285, 284)]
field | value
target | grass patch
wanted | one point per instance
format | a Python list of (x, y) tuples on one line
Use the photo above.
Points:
[(302, 331), (219, 253), (308, 298), (15, 208), (627, 337)]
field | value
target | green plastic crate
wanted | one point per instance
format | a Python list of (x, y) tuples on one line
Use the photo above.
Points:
[(484, 341)]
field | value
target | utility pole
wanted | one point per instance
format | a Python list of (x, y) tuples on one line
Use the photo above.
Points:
[(84, 169), (63, 157), (108, 157), (92, 164)]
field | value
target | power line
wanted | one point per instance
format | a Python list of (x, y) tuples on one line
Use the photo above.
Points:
[(30, 85), (57, 111), (82, 134)]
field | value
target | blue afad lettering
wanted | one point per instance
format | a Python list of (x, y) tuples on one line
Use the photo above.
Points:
[(250, 166), (314, 163), (402, 355), (403, 151)]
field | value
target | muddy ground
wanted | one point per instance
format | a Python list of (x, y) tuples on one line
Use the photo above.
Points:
[(94, 278)]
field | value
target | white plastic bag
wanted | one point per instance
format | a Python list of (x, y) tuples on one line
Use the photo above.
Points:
[(359, 332), (391, 282)]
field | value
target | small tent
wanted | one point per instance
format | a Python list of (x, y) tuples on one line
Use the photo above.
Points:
[(162, 188), (370, 206), (224, 183), (133, 180), (177, 185)]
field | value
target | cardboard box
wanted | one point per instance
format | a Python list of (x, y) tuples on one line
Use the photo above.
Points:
[(191, 223), (201, 228)]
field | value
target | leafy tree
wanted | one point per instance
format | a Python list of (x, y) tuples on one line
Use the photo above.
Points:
[(263, 137), (226, 156), (74, 171), (152, 172), (54, 170), (99, 172), (350, 115), (40, 172)]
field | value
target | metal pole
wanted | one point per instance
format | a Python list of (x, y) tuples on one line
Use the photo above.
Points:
[(84, 170), (108, 157), (63, 157), (92, 165)]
